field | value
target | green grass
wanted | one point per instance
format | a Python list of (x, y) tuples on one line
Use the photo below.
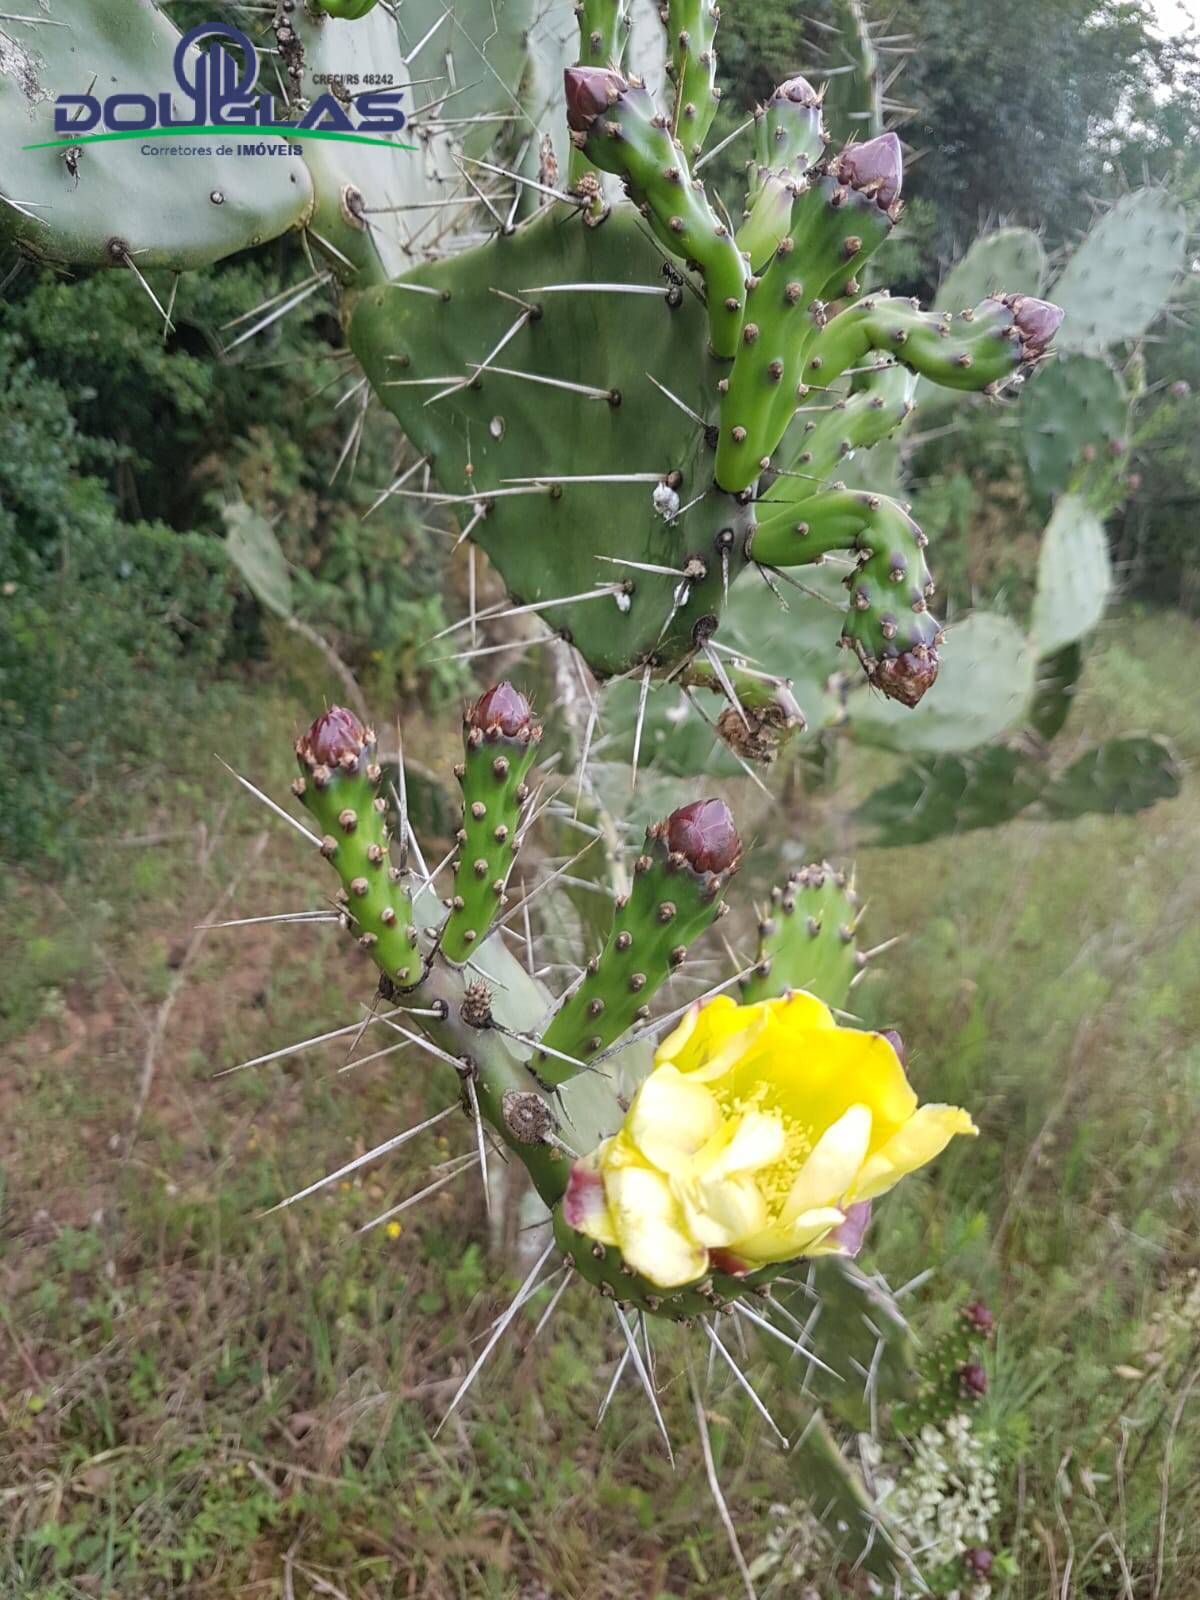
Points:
[(197, 1400)]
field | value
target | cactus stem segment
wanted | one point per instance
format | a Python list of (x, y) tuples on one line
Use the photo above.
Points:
[(807, 938), (888, 625), (676, 894), (500, 739), (341, 787), (614, 121)]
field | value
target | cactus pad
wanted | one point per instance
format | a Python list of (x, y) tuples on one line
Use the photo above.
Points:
[(1123, 273), (106, 204), (503, 423), (1074, 577), (806, 940), (1008, 260), (1072, 410)]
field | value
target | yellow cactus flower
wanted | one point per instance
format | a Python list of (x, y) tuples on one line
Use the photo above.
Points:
[(761, 1135)]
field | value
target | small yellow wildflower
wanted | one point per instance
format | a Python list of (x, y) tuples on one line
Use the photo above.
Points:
[(394, 1230), (760, 1136)]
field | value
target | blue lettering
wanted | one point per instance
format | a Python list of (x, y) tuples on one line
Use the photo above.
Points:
[(76, 113), (380, 111), (326, 106), (123, 111)]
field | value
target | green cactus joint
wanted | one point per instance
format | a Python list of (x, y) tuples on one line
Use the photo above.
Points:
[(976, 351), (617, 125), (349, 10), (500, 739), (340, 786), (950, 1372), (603, 32), (692, 68), (814, 447), (838, 220), (807, 939), (789, 139), (889, 625), (677, 887)]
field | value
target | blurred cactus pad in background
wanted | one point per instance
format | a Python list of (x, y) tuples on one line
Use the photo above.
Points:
[(663, 487)]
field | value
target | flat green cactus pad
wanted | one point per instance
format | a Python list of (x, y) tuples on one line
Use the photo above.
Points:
[(105, 204), (1118, 778), (1007, 261), (1072, 409), (1074, 576), (375, 209), (480, 45), (514, 391), (1123, 273)]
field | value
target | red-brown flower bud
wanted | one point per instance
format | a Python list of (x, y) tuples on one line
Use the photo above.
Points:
[(876, 167), (590, 91), (336, 733), (1037, 321), (501, 707), (906, 677), (973, 1378), (799, 91), (980, 1317), (704, 832)]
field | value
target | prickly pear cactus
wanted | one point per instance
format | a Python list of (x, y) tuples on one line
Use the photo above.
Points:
[(1123, 273), (619, 396), (687, 1173)]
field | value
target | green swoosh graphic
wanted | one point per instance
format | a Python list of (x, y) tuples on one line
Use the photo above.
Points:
[(246, 133)]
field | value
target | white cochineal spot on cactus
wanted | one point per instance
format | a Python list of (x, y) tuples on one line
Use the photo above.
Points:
[(666, 501)]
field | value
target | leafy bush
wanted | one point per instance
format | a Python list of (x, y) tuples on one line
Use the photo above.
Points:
[(106, 623)]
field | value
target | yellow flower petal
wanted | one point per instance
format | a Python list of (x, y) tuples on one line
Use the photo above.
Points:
[(813, 1077), (833, 1165), (651, 1227), (755, 1141), (924, 1136), (711, 1038), (671, 1118), (585, 1204), (781, 1242), (800, 1011), (720, 1213)]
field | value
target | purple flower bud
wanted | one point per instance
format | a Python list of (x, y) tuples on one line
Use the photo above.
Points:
[(336, 733), (973, 1378), (590, 91), (1180, 389), (704, 832), (978, 1561), (501, 707), (876, 167), (906, 677), (980, 1317), (1037, 321), (850, 1234), (897, 1044), (799, 91)]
